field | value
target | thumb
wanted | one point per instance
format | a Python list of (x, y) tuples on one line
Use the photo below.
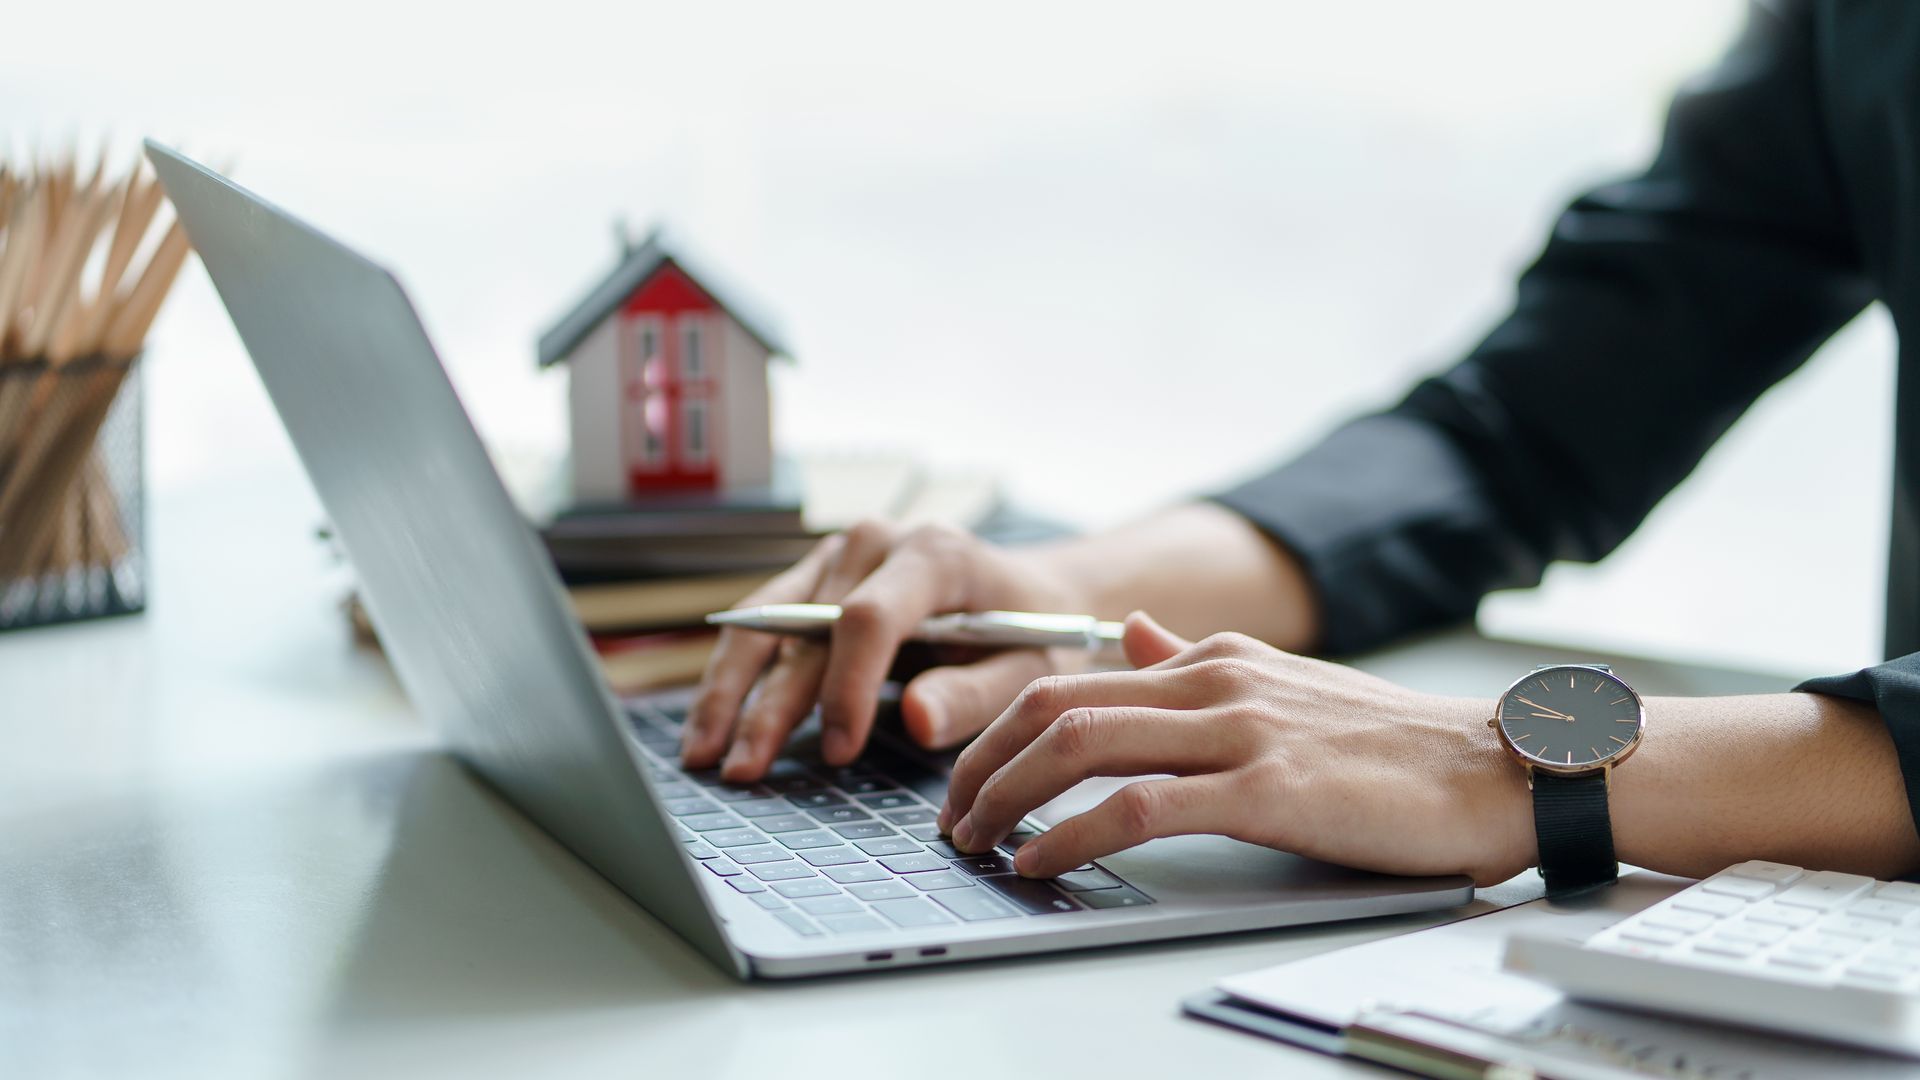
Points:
[(945, 706), (1148, 643)]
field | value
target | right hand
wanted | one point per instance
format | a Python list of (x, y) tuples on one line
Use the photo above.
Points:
[(759, 686)]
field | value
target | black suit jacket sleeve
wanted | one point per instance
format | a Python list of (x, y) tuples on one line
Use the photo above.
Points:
[(1660, 309)]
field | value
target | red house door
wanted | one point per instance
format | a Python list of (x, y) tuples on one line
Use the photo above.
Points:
[(670, 386)]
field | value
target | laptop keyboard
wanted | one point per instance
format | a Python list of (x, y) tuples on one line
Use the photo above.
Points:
[(852, 850)]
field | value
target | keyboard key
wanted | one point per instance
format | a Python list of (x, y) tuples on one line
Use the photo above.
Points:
[(939, 879), (785, 823), (739, 794), (890, 889), (851, 924), (814, 799), (865, 830), (1742, 888), (768, 900), (1124, 896), (705, 777), (816, 838), (918, 862), (798, 923), (863, 785), (709, 822), (830, 905), (723, 867), (1040, 898), (919, 816), (945, 850), (761, 808), (1767, 871), (733, 838), (685, 807), (747, 884), (750, 855), (914, 912), (925, 833), (975, 905), (792, 778), (852, 872), (1087, 880), (685, 836), (670, 791), (1011, 845), (780, 871), (1824, 890), (983, 865), (889, 845), (701, 851), (832, 856), (838, 815), (810, 887), (890, 800)]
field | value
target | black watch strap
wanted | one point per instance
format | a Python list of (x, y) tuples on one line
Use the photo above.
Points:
[(1575, 832)]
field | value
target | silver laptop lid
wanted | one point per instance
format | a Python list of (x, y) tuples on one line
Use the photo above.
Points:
[(467, 606)]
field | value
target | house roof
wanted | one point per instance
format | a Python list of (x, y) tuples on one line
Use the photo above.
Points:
[(638, 263)]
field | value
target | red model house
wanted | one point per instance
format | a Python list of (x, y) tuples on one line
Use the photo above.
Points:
[(668, 384)]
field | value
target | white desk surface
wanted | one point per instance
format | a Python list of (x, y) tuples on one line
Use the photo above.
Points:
[(227, 847)]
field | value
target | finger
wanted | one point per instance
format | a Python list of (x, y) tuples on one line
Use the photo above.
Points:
[(1123, 741), (1039, 705), (1133, 815), (944, 706), (1148, 643), (791, 683), (874, 619), (740, 655), (784, 695)]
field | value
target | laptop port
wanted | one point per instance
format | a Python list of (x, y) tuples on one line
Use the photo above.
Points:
[(937, 950), (876, 957)]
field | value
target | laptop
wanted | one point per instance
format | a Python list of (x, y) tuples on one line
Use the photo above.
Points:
[(814, 871)]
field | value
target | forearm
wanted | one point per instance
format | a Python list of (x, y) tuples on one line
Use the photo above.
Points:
[(1199, 568), (1805, 779)]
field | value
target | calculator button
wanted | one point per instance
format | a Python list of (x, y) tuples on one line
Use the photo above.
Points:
[(1767, 871), (1904, 891), (1744, 888), (1844, 925), (1652, 935), (1805, 959), (1825, 890), (1782, 915), (1890, 911), (1692, 900), (1687, 922), (1756, 932), (1739, 950)]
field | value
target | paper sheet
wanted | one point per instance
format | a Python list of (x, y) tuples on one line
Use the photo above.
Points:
[(1444, 987)]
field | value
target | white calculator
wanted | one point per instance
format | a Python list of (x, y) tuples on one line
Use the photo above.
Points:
[(1802, 952)]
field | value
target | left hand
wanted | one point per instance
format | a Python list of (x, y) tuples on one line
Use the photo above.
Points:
[(1264, 746)]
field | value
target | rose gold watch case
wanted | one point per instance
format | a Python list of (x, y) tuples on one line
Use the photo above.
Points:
[(1605, 764)]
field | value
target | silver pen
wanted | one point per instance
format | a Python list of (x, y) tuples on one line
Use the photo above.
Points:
[(982, 629)]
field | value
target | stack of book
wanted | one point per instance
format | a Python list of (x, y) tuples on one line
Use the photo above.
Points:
[(643, 577)]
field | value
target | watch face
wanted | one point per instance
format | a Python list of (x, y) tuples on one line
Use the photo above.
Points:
[(1571, 719)]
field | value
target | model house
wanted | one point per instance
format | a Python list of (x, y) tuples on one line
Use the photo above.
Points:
[(667, 384)]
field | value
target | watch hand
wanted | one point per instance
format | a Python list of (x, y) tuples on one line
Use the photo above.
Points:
[(1542, 708), (1556, 716)]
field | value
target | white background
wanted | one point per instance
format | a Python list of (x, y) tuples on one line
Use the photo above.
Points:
[(1115, 254)]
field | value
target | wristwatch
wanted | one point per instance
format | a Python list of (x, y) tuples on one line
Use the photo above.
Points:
[(1569, 725)]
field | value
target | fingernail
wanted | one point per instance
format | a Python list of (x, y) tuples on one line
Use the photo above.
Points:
[(836, 746), (737, 759), (1026, 860), (963, 834)]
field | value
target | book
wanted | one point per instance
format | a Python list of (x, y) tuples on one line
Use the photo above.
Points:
[(634, 664)]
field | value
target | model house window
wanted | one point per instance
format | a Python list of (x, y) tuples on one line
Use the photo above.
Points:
[(694, 429), (693, 363), (645, 423)]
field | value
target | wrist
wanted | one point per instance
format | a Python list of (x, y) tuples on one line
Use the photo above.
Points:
[(1492, 788)]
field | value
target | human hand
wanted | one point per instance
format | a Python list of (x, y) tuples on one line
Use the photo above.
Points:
[(1264, 746), (885, 580)]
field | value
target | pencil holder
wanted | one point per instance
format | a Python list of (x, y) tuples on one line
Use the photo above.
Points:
[(71, 494)]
